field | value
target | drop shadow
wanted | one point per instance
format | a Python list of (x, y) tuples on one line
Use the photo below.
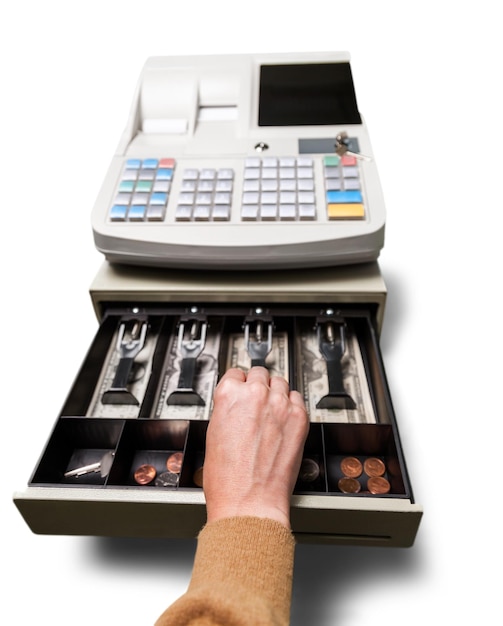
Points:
[(328, 579)]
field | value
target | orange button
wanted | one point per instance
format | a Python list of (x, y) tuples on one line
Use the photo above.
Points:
[(345, 211)]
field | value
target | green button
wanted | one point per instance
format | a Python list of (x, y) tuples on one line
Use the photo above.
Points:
[(144, 185), (332, 160), (126, 186)]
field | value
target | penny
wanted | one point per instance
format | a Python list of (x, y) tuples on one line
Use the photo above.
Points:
[(351, 467), (198, 477), (378, 484), (174, 462), (145, 474), (309, 470), (349, 485), (374, 467), (167, 479)]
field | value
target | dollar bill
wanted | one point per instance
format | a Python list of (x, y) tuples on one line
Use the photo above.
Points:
[(138, 381), (315, 382), (205, 379), (276, 361)]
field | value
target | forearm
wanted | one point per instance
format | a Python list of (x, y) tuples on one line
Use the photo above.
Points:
[(242, 575)]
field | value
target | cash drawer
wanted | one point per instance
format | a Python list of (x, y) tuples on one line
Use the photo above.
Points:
[(126, 453)]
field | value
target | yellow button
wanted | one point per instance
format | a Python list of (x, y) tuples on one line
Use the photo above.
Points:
[(345, 211)]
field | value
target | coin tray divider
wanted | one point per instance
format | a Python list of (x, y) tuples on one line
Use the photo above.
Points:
[(78, 438)]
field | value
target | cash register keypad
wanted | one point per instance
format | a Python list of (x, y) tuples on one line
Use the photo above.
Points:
[(143, 191), (274, 189), (278, 189)]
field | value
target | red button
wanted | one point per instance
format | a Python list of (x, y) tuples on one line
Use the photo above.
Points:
[(167, 163)]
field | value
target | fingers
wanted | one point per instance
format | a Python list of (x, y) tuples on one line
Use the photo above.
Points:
[(234, 374)]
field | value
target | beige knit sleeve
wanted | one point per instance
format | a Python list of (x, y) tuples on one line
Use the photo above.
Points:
[(242, 575)]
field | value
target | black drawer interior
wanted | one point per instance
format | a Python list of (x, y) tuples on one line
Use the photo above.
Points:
[(146, 429)]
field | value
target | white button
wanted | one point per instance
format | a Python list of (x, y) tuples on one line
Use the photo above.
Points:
[(221, 212), (305, 172), (287, 185), (222, 198), (183, 213), (268, 197), (268, 212), (287, 212), (306, 184), (186, 198), (249, 212), (307, 211), (202, 213), (252, 162), (287, 197), (250, 197), (269, 172), (306, 197), (269, 185), (251, 172), (287, 162), (251, 185), (287, 172), (225, 185)]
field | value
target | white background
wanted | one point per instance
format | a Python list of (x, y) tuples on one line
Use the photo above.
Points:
[(428, 81)]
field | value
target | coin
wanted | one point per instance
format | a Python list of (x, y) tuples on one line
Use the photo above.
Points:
[(145, 474), (198, 477), (349, 485), (167, 479), (351, 467), (378, 484), (374, 467), (309, 470), (174, 462)]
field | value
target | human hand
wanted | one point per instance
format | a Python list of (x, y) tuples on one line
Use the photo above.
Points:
[(254, 446)]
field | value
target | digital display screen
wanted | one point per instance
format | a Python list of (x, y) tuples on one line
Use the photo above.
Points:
[(307, 94)]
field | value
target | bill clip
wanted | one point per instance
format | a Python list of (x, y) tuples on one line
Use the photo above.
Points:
[(331, 341), (129, 344), (258, 344), (190, 344)]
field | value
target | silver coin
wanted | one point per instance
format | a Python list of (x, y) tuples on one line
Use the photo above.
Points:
[(309, 470), (167, 479)]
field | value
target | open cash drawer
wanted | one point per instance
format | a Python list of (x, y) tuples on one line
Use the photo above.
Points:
[(126, 454)]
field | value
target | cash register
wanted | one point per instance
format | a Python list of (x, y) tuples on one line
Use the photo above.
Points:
[(241, 221)]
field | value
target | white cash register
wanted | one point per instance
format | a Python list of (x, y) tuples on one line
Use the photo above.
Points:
[(241, 219), (242, 162)]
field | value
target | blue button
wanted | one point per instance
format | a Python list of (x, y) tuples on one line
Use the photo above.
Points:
[(133, 164), (137, 212), (118, 212), (164, 174), (344, 197), (158, 198), (150, 164)]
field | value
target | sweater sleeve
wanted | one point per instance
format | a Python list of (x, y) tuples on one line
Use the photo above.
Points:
[(242, 575)]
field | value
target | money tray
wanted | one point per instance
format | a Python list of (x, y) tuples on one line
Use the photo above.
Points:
[(160, 408)]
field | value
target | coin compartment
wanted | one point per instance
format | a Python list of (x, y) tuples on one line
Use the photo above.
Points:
[(74, 443), (146, 442), (313, 452), (194, 455), (363, 441)]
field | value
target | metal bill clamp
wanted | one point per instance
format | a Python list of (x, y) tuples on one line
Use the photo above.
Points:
[(259, 343), (190, 344), (129, 344), (331, 341)]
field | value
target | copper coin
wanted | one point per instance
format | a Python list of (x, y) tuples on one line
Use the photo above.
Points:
[(349, 485), (198, 477), (309, 471), (145, 474), (351, 467), (374, 467), (174, 462), (378, 484)]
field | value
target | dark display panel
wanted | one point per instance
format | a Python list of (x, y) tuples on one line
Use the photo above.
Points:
[(307, 95)]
